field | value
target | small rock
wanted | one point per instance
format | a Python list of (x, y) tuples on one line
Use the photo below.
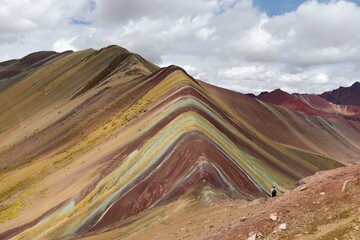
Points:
[(274, 216), (298, 235), (251, 233), (263, 212), (252, 237), (303, 188), (282, 226), (322, 193), (306, 232), (346, 186), (259, 235), (211, 226), (242, 219), (301, 181)]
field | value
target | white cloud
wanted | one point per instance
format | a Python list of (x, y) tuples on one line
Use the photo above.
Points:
[(226, 42), (16, 25), (245, 73), (318, 33), (321, 78), (5, 57), (122, 11), (63, 44), (261, 78), (204, 33), (257, 43)]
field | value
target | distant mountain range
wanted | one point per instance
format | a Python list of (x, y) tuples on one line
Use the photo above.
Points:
[(344, 95), (319, 105), (99, 144)]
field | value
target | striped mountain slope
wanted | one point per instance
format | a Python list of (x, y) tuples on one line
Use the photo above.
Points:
[(102, 142)]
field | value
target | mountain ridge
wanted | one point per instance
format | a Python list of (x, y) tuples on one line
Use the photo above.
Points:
[(344, 95), (97, 153), (311, 104)]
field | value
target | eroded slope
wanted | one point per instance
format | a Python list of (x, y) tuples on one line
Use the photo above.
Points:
[(96, 140)]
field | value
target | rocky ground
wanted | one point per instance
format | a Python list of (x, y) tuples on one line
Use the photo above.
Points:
[(323, 206)]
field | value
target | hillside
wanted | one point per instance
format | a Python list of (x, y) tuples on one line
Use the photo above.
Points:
[(344, 95), (323, 206), (103, 141)]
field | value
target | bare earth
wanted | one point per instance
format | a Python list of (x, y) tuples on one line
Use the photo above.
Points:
[(316, 209)]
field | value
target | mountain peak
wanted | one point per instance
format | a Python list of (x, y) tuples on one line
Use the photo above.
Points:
[(279, 91), (356, 85), (276, 96), (113, 46)]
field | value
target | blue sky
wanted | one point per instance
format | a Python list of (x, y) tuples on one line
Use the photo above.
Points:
[(279, 7)]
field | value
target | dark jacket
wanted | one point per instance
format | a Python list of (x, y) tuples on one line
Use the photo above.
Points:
[(273, 192)]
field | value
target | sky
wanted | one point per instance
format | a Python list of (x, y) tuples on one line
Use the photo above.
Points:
[(243, 45)]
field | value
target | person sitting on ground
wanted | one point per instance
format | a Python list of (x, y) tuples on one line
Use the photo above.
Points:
[(273, 191)]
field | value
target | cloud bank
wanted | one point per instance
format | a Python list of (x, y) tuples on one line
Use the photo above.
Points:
[(229, 43)]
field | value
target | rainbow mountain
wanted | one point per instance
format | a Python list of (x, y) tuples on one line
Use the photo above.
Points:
[(98, 144)]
